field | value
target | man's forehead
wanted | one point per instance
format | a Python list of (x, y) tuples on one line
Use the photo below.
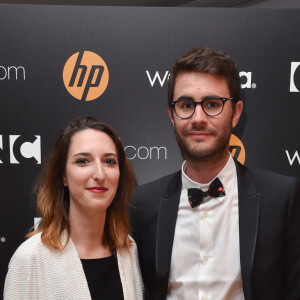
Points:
[(200, 82)]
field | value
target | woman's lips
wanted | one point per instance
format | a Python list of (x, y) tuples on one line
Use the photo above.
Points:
[(96, 189)]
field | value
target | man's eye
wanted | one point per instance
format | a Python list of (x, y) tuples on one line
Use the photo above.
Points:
[(213, 103), (186, 104)]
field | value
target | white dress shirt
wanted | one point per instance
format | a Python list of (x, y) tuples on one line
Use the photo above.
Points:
[(205, 262)]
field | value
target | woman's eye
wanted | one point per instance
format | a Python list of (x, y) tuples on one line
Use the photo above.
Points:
[(81, 161), (110, 161)]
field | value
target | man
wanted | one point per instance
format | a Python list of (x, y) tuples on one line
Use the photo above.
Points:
[(215, 229)]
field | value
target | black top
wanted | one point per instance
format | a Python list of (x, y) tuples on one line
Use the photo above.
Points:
[(103, 278)]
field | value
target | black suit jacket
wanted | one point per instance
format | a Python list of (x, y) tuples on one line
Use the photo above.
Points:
[(269, 227)]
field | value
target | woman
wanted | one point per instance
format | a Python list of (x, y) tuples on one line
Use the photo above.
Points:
[(81, 249)]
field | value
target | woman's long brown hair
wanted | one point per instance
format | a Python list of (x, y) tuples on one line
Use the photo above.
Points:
[(53, 198)]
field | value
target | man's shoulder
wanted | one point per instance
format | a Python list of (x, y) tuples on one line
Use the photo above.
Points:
[(160, 183), (154, 190), (147, 197), (264, 177)]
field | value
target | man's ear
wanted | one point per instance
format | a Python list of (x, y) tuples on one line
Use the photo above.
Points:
[(170, 112), (237, 113)]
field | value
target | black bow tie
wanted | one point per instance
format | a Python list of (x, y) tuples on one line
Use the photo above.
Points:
[(215, 189)]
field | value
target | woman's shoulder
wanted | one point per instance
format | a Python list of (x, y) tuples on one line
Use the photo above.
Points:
[(129, 268), (27, 249), (132, 240), (131, 250)]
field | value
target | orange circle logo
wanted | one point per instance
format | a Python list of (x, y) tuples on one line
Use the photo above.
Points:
[(85, 75), (237, 149)]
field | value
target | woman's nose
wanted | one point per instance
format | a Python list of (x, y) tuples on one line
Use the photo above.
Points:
[(98, 172)]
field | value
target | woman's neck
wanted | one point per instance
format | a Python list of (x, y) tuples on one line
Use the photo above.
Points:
[(87, 234)]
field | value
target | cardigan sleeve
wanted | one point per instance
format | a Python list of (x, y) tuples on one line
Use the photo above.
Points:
[(130, 273), (139, 287), (19, 282), (37, 272)]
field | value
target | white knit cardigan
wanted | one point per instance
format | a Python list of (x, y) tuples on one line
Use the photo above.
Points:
[(37, 272)]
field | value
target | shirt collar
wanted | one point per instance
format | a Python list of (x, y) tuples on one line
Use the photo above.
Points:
[(226, 175)]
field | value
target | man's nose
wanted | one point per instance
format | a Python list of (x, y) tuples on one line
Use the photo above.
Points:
[(199, 115)]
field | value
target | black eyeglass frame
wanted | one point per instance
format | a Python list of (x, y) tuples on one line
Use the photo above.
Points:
[(201, 104)]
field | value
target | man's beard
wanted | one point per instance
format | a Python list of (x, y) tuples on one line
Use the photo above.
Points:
[(205, 153)]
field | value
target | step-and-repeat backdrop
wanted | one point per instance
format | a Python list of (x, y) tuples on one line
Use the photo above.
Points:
[(58, 62)]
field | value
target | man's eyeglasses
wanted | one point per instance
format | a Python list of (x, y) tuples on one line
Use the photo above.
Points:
[(212, 106)]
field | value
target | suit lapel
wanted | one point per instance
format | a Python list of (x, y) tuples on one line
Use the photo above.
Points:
[(249, 202), (166, 225)]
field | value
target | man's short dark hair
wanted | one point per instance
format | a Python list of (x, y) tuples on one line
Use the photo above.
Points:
[(209, 61)]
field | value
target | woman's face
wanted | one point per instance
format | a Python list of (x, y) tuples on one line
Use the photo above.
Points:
[(92, 171)]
